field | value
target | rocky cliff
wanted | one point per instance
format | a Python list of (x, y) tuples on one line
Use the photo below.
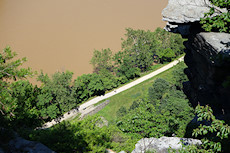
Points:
[(207, 54)]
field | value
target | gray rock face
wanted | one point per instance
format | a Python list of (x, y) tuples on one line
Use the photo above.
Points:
[(185, 11), (180, 14), (21, 145), (219, 41), (208, 60), (207, 54), (211, 45), (162, 144)]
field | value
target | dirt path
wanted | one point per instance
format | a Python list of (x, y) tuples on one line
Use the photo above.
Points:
[(87, 106)]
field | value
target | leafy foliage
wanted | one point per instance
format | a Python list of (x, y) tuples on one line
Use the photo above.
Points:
[(178, 75), (144, 121), (214, 133), (165, 54), (146, 47), (25, 96), (88, 135), (121, 112), (140, 50), (159, 88), (56, 96), (10, 72), (168, 46), (102, 60), (135, 104), (60, 138), (97, 137), (88, 85), (212, 22), (140, 45), (164, 112), (125, 66), (109, 80)]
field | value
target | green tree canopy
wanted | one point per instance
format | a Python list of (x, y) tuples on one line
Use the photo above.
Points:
[(102, 60), (89, 85), (141, 46), (10, 72), (57, 96), (169, 45), (25, 108), (125, 66), (159, 88)]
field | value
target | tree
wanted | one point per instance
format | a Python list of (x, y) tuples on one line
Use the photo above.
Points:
[(81, 87), (159, 88), (25, 98), (135, 104), (57, 95), (10, 72), (88, 85), (144, 46), (168, 100), (165, 55), (102, 60), (109, 80), (169, 45), (125, 66), (95, 85), (141, 47), (144, 121), (176, 104), (179, 76)]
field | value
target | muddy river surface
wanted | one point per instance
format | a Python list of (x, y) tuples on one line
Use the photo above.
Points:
[(60, 35)]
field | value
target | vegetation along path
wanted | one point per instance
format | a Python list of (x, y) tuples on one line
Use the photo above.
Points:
[(83, 108)]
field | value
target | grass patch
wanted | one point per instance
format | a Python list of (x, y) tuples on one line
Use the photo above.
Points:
[(136, 95)]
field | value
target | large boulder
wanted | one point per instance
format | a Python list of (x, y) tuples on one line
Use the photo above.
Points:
[(163, 144)]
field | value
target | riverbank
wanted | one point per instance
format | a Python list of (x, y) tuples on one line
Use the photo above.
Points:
[(83, 108)]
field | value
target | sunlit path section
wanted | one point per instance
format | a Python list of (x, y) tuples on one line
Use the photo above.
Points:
[(87, 106)]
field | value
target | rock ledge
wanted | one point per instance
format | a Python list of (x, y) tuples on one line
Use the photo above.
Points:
[(163, 144)]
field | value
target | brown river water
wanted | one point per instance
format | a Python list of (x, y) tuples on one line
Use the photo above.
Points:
[(59, 35)]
